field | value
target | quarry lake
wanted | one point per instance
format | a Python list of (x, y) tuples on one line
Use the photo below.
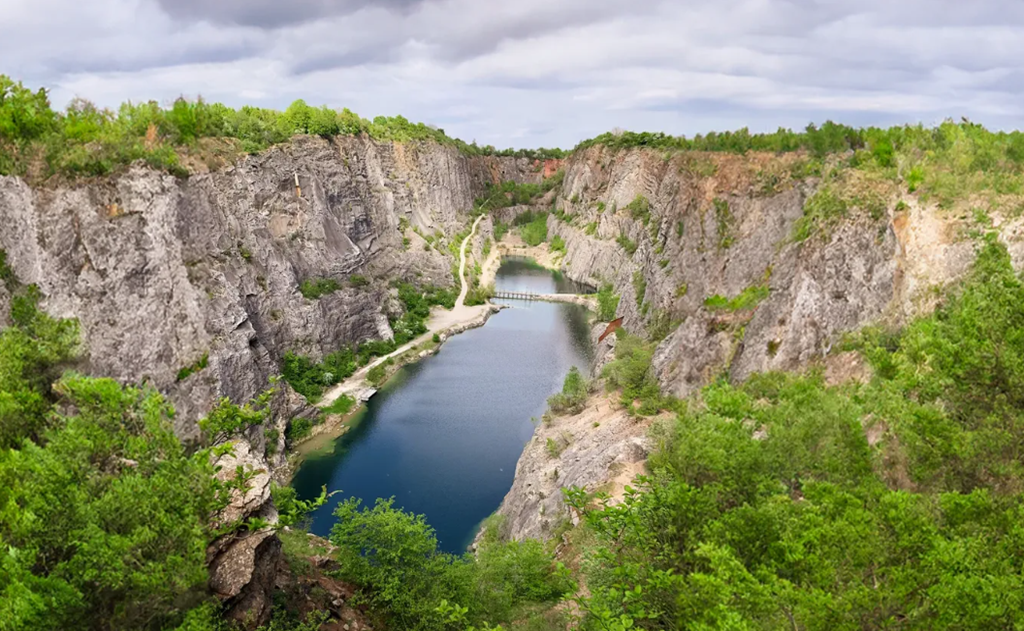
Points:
[(443, 436)]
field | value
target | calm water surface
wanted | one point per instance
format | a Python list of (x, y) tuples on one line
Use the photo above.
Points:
[(444, 435)]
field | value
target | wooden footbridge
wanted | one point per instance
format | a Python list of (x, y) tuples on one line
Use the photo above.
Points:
[(517, 295), (588, 301)]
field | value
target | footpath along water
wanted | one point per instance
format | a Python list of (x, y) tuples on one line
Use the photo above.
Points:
[(444, 435)]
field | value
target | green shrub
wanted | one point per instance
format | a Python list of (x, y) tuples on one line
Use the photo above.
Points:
[(299, 428), (724, 222), (554, 447), (408, 583), (479, 295), (632, 373), (200, 364), (535, 231), (557, 244), (640, 208), (342, 405), (626, 244), (639, 286), (500, 230), (377, 375), (314, 288), (821, 210), (747, 299)]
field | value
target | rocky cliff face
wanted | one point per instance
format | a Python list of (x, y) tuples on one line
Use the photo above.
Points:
[(721, 225), (162, 272)]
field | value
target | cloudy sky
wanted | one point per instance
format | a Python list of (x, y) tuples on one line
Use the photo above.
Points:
[(530, 73)]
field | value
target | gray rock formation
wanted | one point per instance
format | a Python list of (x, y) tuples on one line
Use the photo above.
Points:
[(163, 271), (713, 228)]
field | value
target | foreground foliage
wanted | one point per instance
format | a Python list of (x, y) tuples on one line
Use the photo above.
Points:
[(104, 515), (394, 556), (768, 508)]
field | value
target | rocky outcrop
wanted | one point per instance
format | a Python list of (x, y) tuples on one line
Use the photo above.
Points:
[(243, 563), (243, 570), (600, 449), (163, 272)]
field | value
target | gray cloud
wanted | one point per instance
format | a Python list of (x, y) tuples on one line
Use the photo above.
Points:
[(273, 14)]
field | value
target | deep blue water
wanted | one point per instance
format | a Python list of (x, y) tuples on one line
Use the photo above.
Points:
[(444, 435)]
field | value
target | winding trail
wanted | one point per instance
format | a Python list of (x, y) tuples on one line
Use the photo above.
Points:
[(462, 265), (459, 317)]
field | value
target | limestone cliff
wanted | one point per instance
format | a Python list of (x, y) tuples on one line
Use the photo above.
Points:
[(162, 272), (670, 233), (720, 224)]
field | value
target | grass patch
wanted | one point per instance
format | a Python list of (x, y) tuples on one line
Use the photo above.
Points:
[(626, 244), (607, 303), (315, 288), (188, 371), (640, 209), (342, 405), (821, 210), (724, 223), (747, 299), (534, 230)]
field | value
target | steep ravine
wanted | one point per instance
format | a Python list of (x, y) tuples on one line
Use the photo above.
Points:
[(711, 226), (163, 272)]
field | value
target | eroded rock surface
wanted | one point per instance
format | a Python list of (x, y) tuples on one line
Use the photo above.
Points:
[(162, 272)]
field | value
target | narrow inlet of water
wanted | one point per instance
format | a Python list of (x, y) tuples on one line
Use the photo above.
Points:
[(443, 437)]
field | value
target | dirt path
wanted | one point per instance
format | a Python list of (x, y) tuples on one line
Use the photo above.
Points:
[(462, 265), (440, 320)]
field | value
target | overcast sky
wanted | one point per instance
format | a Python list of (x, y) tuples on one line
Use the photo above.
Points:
[(530, 73)]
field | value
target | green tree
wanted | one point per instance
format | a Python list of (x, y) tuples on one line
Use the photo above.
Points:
[(607, 303), (573, 396)]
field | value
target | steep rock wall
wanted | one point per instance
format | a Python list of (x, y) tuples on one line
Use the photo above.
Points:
[(717, 225), (162, 271)]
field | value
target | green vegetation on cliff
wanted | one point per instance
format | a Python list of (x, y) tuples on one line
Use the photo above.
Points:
[(309, 378), (39, 141), (511, 193), (788, 503)]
